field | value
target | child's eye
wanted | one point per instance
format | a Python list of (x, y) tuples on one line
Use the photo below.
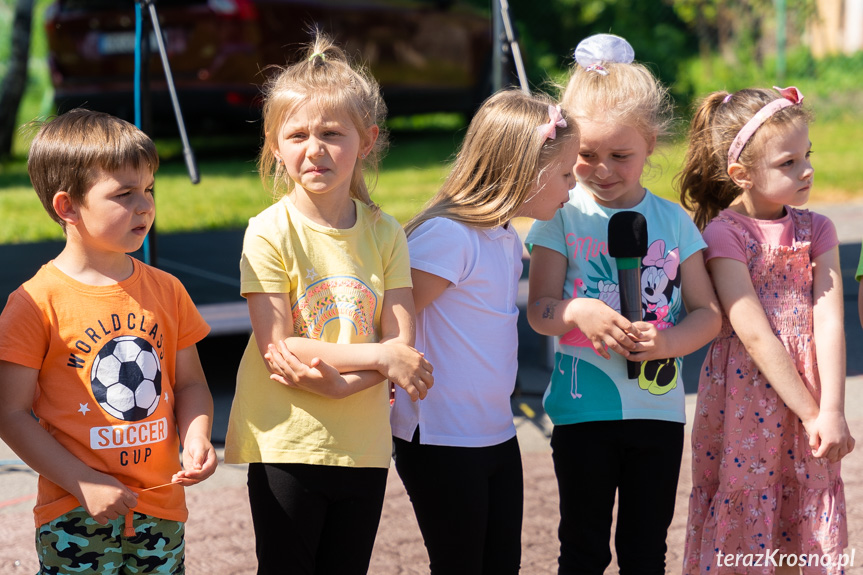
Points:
[(621, 156)]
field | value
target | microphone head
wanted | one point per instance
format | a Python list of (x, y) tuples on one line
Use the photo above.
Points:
[(627, 235)]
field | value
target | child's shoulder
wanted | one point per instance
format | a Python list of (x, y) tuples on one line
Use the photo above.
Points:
[(660, 204), (278, 210), (152, 273)]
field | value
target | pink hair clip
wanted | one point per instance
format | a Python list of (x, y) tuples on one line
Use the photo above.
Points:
[(727, 98), (791, 96), (555, 120), (597, 68)]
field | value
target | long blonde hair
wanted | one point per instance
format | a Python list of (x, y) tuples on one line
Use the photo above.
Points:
[(323, 76), (704, 184), (499, 161)]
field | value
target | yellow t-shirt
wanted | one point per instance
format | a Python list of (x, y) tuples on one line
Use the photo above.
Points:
[(336, 279), (106, 357)]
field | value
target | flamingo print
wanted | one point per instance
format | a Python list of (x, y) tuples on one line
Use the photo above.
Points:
[(575, 338)]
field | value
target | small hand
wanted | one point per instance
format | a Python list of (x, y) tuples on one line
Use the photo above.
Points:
[(605, 328), (829, 436), (319, 377), (408, 368), (105, 498), (199, 461), (651, 343)]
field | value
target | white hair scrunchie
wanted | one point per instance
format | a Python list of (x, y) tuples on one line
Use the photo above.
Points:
[(594, 51)]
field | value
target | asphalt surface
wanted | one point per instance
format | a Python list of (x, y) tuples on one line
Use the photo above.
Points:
[(219, 533)]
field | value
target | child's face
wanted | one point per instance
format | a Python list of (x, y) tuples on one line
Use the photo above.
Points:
[(320, 150), (783, 174), (118, 211), (610, 162), (551, 191)]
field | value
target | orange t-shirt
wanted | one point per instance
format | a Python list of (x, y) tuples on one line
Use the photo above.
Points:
[(106, 357)]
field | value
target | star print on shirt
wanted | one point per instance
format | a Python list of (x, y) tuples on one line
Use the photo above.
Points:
[(84, 409), (166, 396), (311, 274)]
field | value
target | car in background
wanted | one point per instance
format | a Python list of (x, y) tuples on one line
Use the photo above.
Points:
[(428, 55)]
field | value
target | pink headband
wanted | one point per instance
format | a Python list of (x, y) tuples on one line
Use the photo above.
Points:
[(791, 96), (555, 120)]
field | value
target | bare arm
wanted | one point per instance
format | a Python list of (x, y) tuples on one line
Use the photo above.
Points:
[(737, 295), (101, 495), (549, 314), (427, 288), (701, 324), (834, 439), (354, 367), (272, 324), (193, 408)]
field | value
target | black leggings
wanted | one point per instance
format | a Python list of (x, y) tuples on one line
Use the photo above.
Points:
[(315, 519), (469, 504), (639, 460)]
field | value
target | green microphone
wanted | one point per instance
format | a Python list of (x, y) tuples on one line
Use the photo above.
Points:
[(627, 244)]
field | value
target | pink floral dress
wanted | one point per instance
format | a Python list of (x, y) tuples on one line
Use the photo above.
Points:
[(755, 486)]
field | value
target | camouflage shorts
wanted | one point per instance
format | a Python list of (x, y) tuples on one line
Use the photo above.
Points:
[(75, 543)]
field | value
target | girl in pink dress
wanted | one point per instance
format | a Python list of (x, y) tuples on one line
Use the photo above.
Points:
[(770, 427)]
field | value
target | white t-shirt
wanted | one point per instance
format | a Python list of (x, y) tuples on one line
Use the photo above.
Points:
[(469, 334)]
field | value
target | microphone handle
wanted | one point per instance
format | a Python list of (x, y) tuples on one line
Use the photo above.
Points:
[(629, 281)]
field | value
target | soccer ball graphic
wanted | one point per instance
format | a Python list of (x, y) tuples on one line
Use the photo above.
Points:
[(127, 378)]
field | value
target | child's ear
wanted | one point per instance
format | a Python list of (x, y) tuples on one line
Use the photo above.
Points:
[(739, 176), (651, 145), (65, 208), (369, 142)]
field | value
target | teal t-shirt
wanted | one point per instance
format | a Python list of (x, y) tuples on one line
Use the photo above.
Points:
[(584, 386)]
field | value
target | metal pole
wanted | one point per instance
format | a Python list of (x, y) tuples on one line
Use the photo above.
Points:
[(191, 166), (497, 48), (513, 46), (780, 41)]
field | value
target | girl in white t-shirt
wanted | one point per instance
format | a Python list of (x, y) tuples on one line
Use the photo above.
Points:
[(327, 279), (456, 451)]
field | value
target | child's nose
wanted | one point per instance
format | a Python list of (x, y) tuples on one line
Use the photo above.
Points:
[(146, 204), (602, 170), (314, 148)]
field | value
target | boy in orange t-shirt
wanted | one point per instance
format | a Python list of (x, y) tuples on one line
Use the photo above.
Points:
[(101, 349)]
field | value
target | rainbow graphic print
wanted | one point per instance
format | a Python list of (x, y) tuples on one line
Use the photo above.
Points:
[(340, 298)]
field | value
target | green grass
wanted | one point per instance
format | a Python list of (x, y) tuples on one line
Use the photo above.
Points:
[(230, 191)]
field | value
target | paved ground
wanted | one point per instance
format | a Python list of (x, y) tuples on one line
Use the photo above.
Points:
[(219, 533)]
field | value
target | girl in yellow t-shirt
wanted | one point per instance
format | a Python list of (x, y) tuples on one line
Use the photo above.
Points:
[(327, 280)]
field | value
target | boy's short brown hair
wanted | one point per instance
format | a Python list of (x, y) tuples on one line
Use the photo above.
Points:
[(69, 151)]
